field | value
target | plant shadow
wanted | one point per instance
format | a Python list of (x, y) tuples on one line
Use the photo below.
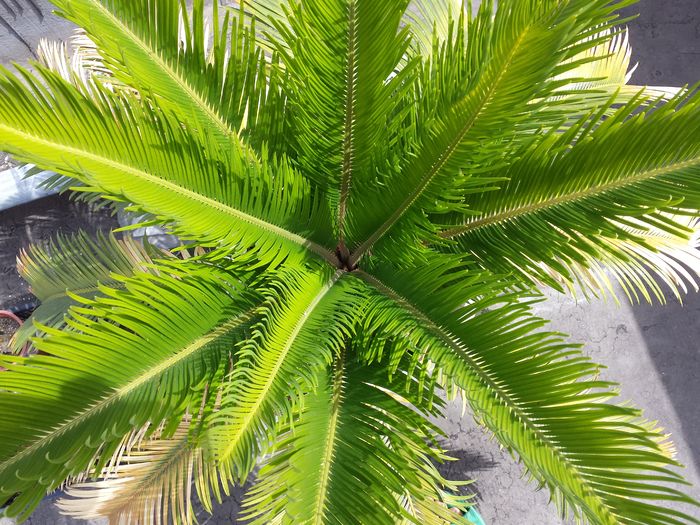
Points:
[(671, 334)]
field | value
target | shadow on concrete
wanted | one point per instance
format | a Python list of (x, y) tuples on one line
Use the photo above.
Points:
[(467, 466), (665, 41), (672, 337)]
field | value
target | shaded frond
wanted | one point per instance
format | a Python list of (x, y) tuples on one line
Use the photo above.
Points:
[(129, 356), (566, 205), (74, 265), (539, 395)]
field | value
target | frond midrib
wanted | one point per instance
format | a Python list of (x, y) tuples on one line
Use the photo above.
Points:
[(484, 376), (252, 411), (349, 125), (330, 446), (515, 213), (221, 331), (444, 157), (181, 190)]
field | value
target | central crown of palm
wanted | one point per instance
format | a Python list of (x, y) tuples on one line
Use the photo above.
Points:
[(371, 193)]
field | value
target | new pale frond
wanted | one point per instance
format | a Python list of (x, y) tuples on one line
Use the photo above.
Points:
[(75, 266)]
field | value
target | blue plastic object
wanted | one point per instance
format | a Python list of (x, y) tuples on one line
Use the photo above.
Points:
[(474, 517)]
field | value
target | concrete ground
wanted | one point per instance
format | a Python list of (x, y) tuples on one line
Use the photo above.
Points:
[(651, 350)]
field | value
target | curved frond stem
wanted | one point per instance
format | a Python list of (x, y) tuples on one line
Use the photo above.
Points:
[(154, 167), (134, 374), (574, 195), (337, 387), (357, 427), (449, 340)]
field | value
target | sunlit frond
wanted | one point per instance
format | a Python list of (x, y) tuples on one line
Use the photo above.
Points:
[(605, 71), (369, 194), (477, 101), (539, 395), (304, 322), (120, 147), (572, 205), (430, 21)]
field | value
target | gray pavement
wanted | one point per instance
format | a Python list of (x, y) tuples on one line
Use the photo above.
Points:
[(651, 350)]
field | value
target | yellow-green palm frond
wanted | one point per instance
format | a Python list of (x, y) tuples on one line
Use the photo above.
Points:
[(373, 191), (603, 72), (557, 209), (539, 394), (122, 148), (476, 103), (661, 265), (161, 49), (280, 362), (430, 21)]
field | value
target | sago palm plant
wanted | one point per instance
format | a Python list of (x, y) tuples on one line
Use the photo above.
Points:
[(371, 195)]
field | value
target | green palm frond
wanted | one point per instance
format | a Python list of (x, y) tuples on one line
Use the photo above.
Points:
[(113, 369), (373, 191), (280, 362), (74, 265), (567, 204), (515, 56), (117, 147), (356, 431), (539, 395), (145, 45)]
